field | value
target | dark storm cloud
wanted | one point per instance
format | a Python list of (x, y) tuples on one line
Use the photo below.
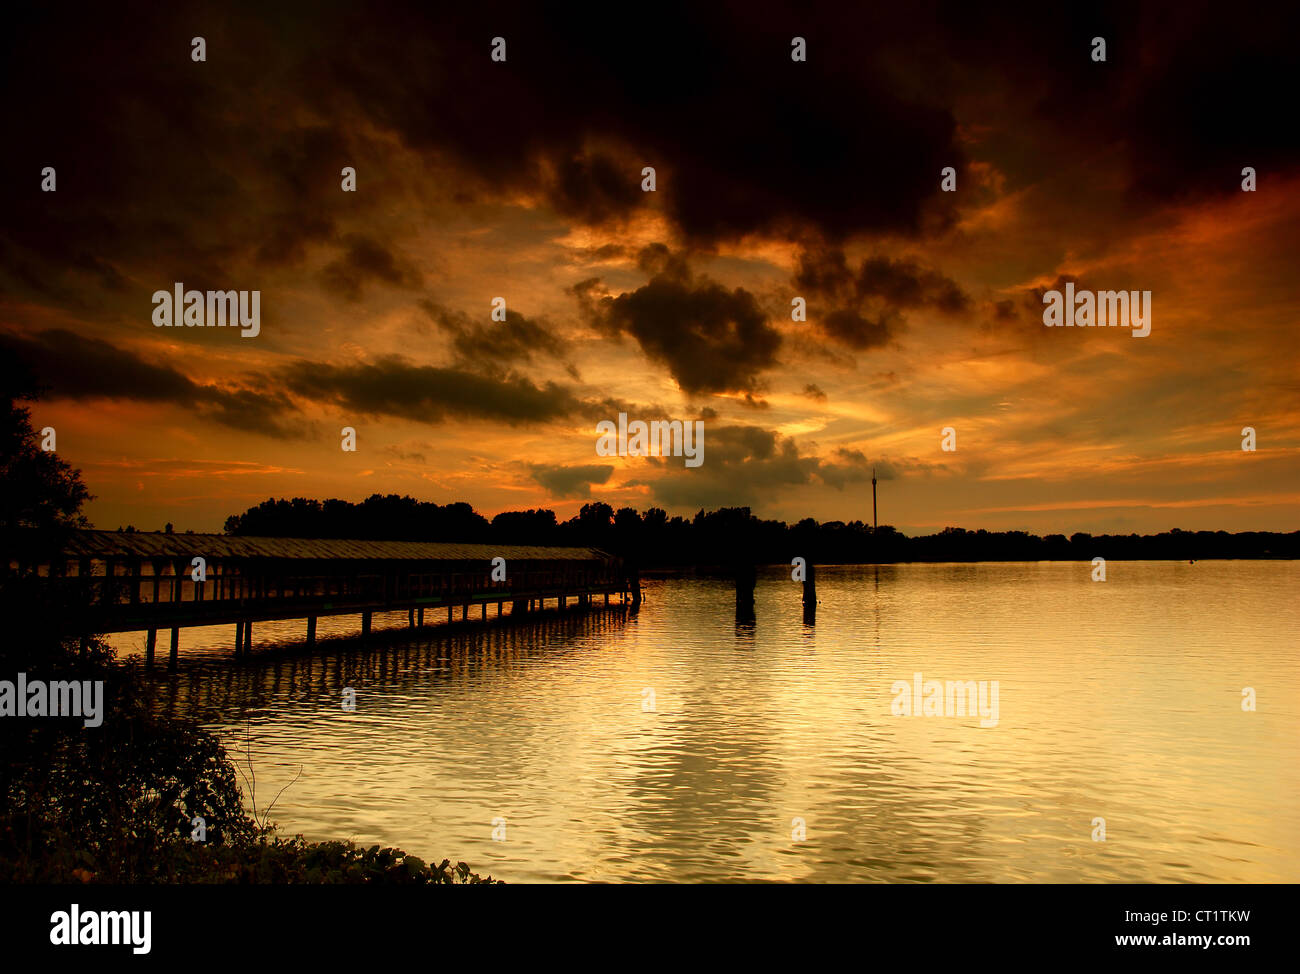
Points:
[(84, 369), (900, 283), (711, 339), (864, 308), (905, 284), (194, 170), (851, 141), (594, 189), (744, 140), (854, 331), (395, 386), (185, 169), (81, 369), (73, 367), (518, 338), (570, 482), (364, 261)]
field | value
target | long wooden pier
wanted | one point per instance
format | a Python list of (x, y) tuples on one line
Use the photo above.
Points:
[(149, 581)]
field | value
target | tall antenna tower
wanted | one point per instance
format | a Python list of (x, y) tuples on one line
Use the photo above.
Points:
[(875, 522)]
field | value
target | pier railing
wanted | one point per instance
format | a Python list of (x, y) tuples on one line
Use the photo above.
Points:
[(147, 581)]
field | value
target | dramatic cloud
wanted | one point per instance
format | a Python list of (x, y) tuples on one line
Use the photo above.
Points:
[(395, 386), (711, 339), (365, 261), (771, 162), (571, 482), (866, 306), (774, 178), (69, 366), (480, 344)]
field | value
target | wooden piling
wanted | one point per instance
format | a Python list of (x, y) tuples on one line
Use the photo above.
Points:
[(174, 655), (311, 632), (365, 623), (419, 617), (746, 579), (239, 639), (150, 644), (809, 595), (248, 637)]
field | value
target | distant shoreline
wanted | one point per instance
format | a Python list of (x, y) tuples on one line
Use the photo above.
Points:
[(710, 571)]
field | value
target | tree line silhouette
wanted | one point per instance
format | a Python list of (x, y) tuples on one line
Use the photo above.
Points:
[(653, 539)]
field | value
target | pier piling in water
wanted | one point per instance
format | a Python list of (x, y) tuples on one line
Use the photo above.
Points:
[(809, 595), (746, 579)]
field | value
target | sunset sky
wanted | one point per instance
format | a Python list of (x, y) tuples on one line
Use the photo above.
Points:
[(775, 179)]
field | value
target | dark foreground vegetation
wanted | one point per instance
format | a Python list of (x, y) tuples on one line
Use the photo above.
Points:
[(654, 540), (117, 803)]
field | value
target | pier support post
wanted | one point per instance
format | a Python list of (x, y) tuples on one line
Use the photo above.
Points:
[(410, 618), (311, 632), (809, 596), (483, 606), (607, 600), (174, 655), (248, 637), (419, 617), (746, 579), (517, 608), (450, 617), (150, 644), (239, 639), (365, 623)]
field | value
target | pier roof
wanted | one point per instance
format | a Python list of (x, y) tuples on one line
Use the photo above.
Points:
[(156, 544)]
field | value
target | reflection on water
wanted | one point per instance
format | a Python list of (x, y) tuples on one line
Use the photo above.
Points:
[(1118, 700)]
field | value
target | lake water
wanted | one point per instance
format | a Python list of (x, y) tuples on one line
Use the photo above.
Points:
[(1118, 700)]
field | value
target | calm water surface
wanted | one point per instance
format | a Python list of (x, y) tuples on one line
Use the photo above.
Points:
[(1119, 700)]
